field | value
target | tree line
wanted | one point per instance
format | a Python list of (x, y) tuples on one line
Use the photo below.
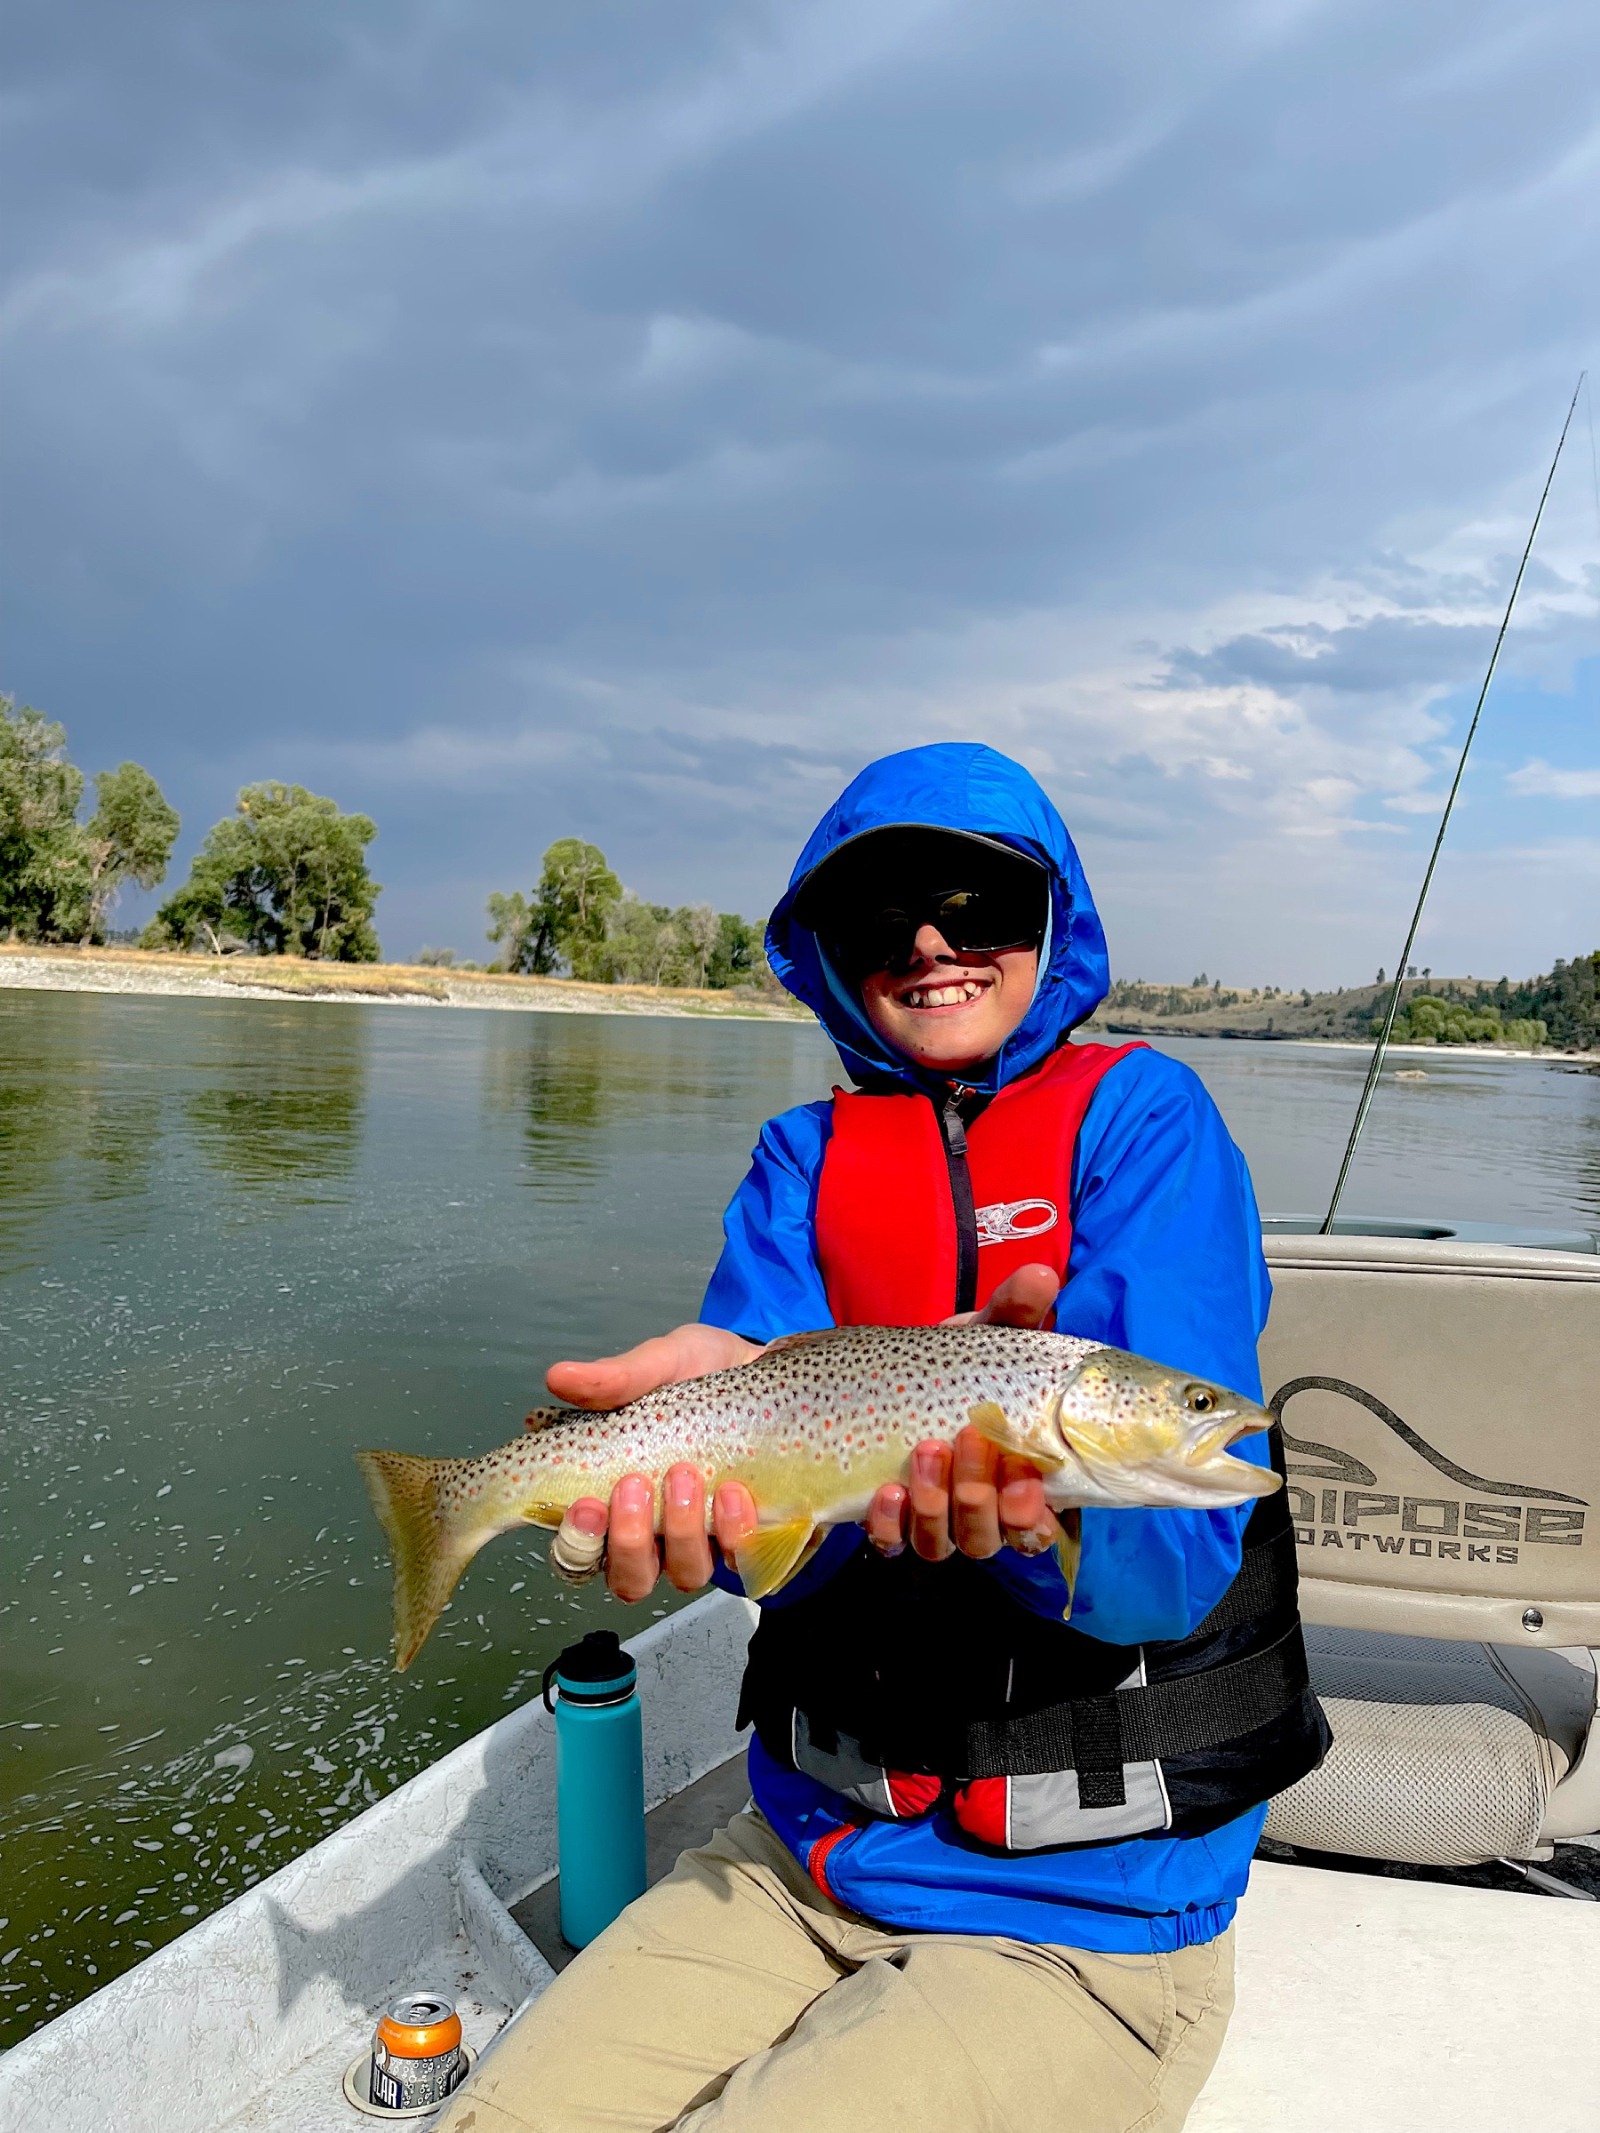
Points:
[(1560, 1007), (284, 874), (580, 920)]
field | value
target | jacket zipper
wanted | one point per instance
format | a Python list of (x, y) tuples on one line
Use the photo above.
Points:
[(955, 1158)]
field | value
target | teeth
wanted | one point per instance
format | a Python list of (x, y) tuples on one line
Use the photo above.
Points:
[(945, 995)]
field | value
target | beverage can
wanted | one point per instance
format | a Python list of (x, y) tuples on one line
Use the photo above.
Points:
[(416, 2053)]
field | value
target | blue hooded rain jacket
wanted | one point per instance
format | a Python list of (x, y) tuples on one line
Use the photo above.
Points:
[(1165, 1261)]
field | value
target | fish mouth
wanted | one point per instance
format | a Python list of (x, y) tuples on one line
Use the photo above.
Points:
[(1216, 1441)]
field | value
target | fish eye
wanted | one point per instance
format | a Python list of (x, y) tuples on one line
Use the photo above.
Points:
[(1199, 1399)]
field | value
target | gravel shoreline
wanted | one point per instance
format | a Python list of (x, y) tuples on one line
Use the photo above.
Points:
[(132, 970), (380, 984)]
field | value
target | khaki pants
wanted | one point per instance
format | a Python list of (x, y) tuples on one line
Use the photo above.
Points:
[(735, 1998)]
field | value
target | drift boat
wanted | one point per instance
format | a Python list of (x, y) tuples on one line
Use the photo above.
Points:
[(1435, 1388)]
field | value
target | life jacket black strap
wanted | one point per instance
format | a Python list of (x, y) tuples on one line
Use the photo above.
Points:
[(1265, 1584), (1175, 1717)]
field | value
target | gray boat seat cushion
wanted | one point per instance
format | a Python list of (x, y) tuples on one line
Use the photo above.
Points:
[(1443, 1754)]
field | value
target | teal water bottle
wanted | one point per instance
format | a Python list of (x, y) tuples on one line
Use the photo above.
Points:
[(599, 1783)]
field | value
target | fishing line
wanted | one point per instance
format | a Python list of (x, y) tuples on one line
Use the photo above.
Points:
[(1375, 1069)]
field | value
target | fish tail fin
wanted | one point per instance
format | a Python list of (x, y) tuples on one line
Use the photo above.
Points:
[(429, 1547)]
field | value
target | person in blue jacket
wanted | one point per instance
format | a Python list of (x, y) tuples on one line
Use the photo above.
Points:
[(849, 1949)]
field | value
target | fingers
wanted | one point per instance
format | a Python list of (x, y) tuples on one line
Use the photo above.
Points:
[(614, 1380), (1025, 1298), (733, 1516), (623, 1535), (686, 1546), (1026, 1520), (930, 1501), (887, 1518), (967, 1497), (974, 1499), (579, 1547), (632, 1560)]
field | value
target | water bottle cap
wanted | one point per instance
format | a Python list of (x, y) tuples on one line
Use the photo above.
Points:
[(596, 1670)]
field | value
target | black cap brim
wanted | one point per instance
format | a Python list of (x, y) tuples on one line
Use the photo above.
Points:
[(897, 853)]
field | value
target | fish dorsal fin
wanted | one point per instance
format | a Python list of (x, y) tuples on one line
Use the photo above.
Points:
[(543, 1417), (804, 1340), (772, 1555), (988, 1418)]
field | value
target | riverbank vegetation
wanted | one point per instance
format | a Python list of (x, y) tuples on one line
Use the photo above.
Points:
[(1430, 1019), (581, 922), (285, 874), (59, 876)]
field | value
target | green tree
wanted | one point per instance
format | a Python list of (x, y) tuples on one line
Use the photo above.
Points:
[(738, 957), (129, 838), (565, 919), (514, 924), (1566, 999), (285, 875), (640, 946), (577, 894), (699, 931), (1427, 1019), (44, 860)]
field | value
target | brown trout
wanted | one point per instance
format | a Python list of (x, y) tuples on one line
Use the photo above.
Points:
[(813, 1427)]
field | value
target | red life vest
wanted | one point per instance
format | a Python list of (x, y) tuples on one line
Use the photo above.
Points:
[(889, 1203), (901, 1684)]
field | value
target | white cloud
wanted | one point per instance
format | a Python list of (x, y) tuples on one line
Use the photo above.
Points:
[(1540, 781)]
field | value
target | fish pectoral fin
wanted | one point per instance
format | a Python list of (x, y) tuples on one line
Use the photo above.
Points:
[(988, 1418), (1069, 1553), (772, 1555)]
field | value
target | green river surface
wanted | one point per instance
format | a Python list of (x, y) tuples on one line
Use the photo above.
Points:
[(239, 1239)]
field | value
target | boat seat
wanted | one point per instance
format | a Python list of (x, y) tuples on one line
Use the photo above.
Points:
[(1445, 1754), (1436, 1403)]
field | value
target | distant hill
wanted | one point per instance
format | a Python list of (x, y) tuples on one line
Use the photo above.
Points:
[(1566, 1000), (1136, 1009)]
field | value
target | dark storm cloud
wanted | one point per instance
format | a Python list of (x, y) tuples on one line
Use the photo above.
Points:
[(631, 419), (1383, 654)]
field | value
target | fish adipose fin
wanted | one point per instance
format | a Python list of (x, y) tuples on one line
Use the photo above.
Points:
[(429, 1551), (772, 1555)]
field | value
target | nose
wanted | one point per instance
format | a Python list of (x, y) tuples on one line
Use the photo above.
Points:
[(930, 946)]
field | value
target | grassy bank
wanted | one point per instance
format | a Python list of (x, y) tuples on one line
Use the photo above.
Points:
[(136, 970)]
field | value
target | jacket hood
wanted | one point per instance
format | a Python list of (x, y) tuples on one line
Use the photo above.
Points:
[(954, 785)]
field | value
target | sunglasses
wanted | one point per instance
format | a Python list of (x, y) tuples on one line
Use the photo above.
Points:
[(985, 920)]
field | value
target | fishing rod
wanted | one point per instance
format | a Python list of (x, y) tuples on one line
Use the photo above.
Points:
[(1375, 1069)]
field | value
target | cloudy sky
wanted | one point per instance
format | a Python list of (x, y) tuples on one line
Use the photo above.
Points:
[(626, 419)]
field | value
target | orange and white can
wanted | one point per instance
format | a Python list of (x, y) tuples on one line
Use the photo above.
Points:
[(416, 2054)]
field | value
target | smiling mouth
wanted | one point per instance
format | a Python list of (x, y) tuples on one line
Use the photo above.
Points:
[(953, 992)]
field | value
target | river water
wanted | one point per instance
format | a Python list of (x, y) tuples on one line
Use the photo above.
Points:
[(239, 1239)]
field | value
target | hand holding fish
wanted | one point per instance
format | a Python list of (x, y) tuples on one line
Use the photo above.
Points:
[(967, 1496), (812, 1428)]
